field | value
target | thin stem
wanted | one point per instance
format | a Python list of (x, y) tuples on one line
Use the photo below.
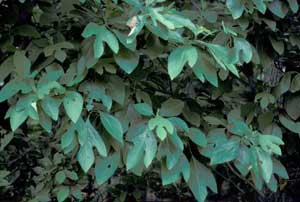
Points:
[(244, 179), (229, 180)]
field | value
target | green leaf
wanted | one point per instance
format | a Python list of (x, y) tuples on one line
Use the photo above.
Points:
[(179, 124), (236, 8), (197, 136), (174, 147), (179, 57), (171, 107), (6, 68), (200, 178), (5, 140), (88, 137), (22, 64), (123, 39), (255, 171), (272, 184), (293, 5), (95, 138), (225, 152), (215, 120), (266, 165), (136, 23), (284, 85), (127, 60), (73, 103), (163, 126), (60, 55), (279, 169), (60, 177), (62, 193), (180, 21), (96, 92), (271, 24), (134, 156), (106, 167), (50, 106), (116, 89), (191, 116), (85, 157), (9, 90), (143, 141), (45, 121), (57, 50), (17, 117), (224, 56), (144, 109), (171, 176), (295, 85), (76, 192), (277, 45), (289, 124), (112, 125), (156, 15), (205, 67), (269, 143), (276, 7), (239, 127), (242, 163), (150, 149), (102, 35), (72, 175), (292, 107), (68, 137), (243, 49), (260, 5), (265, 99), (220, 149), (27, 31)]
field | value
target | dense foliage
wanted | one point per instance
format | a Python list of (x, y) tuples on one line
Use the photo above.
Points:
[(95, 89)]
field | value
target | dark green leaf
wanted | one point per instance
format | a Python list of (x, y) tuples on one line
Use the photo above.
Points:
[(200, 178), (27, 31), (277, 45), (292, 107), (60, 177), (127, 60), (289, 124), (106, 167), (205, 68), (171, 107), (6, 68)]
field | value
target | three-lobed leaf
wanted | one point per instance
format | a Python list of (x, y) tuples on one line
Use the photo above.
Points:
[(102, 35)]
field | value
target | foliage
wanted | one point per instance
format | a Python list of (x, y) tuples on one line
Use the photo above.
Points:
[(92, 87)]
